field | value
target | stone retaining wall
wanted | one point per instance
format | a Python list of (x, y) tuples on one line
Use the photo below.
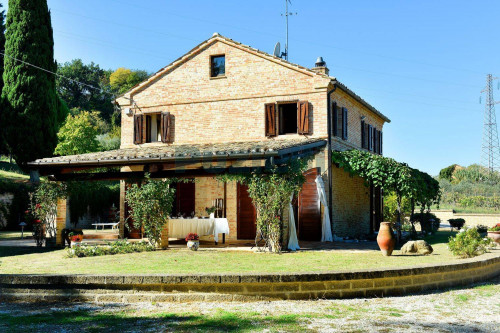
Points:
[(185, 288), (488, 220)]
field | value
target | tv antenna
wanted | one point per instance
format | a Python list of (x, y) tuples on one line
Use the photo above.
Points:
[(287, 13)]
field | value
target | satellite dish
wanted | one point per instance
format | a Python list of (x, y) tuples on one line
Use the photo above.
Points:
[(277, 50)]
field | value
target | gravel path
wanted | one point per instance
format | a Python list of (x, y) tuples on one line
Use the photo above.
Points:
[(474, 309)]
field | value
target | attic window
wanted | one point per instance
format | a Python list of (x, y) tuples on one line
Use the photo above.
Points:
[(217, 65)]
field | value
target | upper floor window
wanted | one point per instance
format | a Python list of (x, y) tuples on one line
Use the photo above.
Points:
[(287, 118), (371, 138), (287, 115), (340, 121), (217, 65), (152, 127)]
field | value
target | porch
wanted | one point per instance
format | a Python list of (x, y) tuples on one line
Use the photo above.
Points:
[(200, 164)]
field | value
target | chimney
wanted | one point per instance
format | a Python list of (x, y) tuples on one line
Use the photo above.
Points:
[(320, 66)]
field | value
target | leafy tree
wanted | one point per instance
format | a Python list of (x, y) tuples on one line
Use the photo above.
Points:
[(447, 173), (78, 134), (123, 79), (82, 96), (32, 112)]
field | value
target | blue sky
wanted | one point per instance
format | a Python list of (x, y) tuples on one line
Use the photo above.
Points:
[(422, 63)]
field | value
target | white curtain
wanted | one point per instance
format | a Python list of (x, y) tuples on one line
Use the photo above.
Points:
[(326, 227), (293, 243)]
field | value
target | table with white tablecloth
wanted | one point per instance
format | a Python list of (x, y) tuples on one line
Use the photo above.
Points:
[(180, 228)]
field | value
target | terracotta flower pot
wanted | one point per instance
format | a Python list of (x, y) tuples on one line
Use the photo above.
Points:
[(385, 239), (495, 235)]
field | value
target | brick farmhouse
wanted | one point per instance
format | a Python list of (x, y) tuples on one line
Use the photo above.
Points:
[(227, 107)]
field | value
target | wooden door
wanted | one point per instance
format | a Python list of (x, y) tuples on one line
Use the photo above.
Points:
[(309, 215), (247, 215), (184, 202)]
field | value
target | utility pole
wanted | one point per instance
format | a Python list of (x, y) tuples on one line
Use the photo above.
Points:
[(490, 157)]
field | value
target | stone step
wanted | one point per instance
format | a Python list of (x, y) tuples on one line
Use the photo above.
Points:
[(101, 236)]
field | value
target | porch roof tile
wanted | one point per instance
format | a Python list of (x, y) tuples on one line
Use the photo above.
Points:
[(182, 151)]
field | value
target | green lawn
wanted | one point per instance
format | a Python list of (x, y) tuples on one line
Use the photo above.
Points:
[(33, 260), (11, 171), (14, 234)]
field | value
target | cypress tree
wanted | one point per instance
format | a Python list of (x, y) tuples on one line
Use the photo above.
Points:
[(3, 146), (32, 112)]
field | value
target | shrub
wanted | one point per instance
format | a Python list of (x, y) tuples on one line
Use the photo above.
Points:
[(468, 243), (481, 228), (495, 228), (118, 247), (428, 221), (456, 223)]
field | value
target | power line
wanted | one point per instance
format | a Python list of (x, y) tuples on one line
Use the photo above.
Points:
[(357, 69), (54, 73), (296, 40)]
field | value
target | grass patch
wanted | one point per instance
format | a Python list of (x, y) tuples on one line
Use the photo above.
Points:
[(182, 261), (92, 321), (5, 235), (11, 171)]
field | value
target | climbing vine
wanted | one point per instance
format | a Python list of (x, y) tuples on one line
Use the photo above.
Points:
[(150, 206), (270, 191), (407, 183)]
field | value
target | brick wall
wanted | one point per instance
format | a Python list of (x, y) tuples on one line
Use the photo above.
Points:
[(208, 110)]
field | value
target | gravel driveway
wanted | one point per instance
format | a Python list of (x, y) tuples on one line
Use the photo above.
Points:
[(474, 309)]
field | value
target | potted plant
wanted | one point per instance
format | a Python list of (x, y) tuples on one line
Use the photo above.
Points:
[(456, 223), (494, 233), (193, 241), (210, 210), (76, 240), (482, 230)]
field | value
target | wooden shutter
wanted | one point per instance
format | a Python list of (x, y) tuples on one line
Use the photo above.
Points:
[(166, 127), (380, 143), (370, 137), (367, 136), (271, 119), (138, 124), (335, 127), (363, 134), (340, 128), (303, 117), (375, 140), (344, 124)]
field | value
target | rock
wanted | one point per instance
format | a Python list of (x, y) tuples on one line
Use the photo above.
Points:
[(420, 247), (423, 247)]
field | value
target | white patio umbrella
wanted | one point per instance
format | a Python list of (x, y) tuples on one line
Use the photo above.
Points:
[(326, 227), (293, 243)]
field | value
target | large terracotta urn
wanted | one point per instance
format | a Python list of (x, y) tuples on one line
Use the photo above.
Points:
[(385, 238), (495, 235)]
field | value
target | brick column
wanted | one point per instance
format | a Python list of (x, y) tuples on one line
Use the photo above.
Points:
[(61, 220), (164, 237), (122, 210)]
